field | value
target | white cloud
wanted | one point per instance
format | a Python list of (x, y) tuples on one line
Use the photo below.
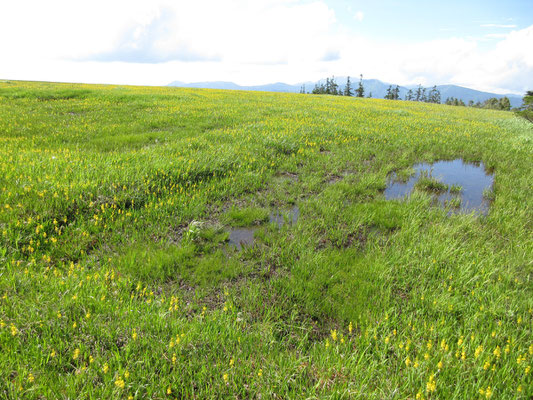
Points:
[(497, 26), (495, 35), (359, 15), (156, 42)]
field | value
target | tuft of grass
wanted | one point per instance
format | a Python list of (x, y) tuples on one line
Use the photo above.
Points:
[(428, 183), (489, 194), (456, 189), (245, 216), (454, 202)]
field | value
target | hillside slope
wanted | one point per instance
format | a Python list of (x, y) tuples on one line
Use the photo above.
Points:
[(189, 243)]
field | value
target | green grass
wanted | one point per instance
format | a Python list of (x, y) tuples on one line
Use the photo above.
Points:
[(429, 183), (117, 281), (246, 216)]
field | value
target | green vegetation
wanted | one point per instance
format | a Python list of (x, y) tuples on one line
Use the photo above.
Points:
[(454, 202), (246, 216), (493, 103), (117, 281), (526, 110), (430, 183), (456, 189)]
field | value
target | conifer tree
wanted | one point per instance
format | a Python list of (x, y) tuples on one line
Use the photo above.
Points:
[(348, 91), (418, 94), (389, 95), (360, 92), (423, 97), (434, 95), (396, 93)]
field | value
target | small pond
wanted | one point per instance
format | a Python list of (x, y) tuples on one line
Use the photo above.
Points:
[(473, 180)]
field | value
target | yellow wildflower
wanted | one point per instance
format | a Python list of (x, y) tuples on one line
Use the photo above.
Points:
[(478, 351), (431, 385)]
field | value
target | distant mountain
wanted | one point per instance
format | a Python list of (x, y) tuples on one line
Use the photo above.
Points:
[(271, 87), (375, 87)]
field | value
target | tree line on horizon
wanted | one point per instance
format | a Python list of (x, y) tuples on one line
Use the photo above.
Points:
[(331, 87), (493, 103), (422, 94)]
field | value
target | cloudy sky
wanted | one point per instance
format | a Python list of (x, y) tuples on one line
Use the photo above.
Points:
[(482, 44)]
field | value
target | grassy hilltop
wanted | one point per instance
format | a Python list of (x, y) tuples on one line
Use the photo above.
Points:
[(117, 280)]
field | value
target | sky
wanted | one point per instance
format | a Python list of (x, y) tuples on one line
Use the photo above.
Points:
[(485, 45)]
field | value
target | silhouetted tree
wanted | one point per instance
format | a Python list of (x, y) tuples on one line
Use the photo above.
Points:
[(360, 91), (396, 93), (388, 96), (418, 94), (434, 95), (504, 104), (409, 96), (348, 90), (492, 104)]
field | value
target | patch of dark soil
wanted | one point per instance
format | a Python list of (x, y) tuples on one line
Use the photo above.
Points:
[(333, 178), (289, 175)]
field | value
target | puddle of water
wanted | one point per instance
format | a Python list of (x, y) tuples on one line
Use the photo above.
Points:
[(244, 237), (241, 237), (471, 177), (281, 218)]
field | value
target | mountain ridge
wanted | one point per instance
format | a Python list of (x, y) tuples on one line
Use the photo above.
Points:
[(377, 88)]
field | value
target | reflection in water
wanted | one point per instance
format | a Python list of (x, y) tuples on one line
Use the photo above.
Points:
[(241, 237), (280, 218), (471, 177)]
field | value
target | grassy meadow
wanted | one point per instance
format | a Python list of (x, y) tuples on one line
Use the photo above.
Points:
[(117, 279)]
